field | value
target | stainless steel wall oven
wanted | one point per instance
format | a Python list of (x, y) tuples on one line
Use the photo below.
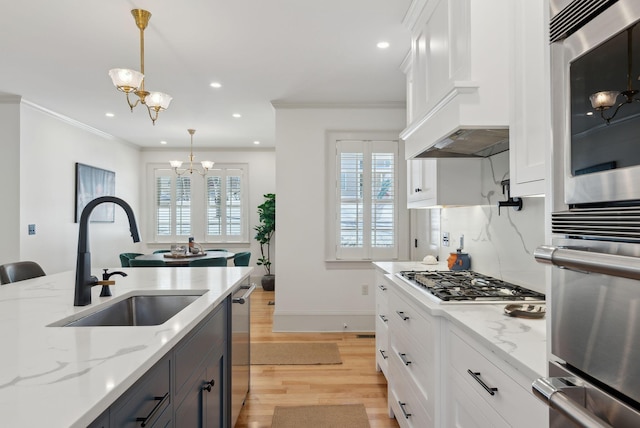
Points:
[(595, 60), (594, 303)]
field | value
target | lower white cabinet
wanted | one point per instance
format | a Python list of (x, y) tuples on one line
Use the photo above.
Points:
[(382, 321), (482, 390), (414, 379), (440, 376)]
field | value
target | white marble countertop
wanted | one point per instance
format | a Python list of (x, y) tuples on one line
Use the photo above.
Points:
[(67, 376), (518, 341)]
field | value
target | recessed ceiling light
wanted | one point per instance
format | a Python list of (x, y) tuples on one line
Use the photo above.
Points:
[(163, 142), (236, 115), (589, 113), (383, 45), (109, 114), (256, 142), (215, 85)]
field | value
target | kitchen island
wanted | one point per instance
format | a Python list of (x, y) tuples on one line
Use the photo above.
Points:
[(68, 376)]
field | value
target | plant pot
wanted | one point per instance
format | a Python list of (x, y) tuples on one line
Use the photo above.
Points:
[(268, 282)]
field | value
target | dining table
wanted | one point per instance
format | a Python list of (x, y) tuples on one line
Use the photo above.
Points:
[(183, 260)]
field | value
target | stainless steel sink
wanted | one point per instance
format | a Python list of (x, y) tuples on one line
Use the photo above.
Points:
[(136, 310)]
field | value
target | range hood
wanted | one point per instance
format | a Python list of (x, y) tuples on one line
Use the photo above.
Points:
[(469, 143)]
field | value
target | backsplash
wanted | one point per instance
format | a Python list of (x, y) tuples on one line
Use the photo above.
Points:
[(500, 246)]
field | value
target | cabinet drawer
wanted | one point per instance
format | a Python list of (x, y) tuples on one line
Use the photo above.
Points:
[(191, 354), (382, 346), (409, 405), (467, 410), (149, 398), (510, 400), (382, 294)]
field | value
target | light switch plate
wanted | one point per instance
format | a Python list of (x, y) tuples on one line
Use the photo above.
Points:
[(32, 229)]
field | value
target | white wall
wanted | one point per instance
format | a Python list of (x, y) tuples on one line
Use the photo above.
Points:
[(9, 171), (50, 146), (312, 294), (262, 166), (499, 245)]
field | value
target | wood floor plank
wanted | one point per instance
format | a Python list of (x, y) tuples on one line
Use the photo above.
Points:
[(353, 381)]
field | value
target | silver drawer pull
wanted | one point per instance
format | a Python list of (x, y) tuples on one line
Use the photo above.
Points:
[(476, 376), (404, 359), (383, 318), (402, 315), (406, 415), (382, 287), (384, 354)]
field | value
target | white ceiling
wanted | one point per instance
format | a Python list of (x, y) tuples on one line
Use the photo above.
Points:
[(56, 54)]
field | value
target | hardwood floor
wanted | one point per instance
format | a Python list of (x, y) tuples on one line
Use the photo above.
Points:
[(353, 381)]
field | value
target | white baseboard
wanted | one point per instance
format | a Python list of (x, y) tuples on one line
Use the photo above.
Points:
[(323, 322)]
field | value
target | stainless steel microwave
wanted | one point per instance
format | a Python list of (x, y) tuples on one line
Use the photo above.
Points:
[(595, 67)]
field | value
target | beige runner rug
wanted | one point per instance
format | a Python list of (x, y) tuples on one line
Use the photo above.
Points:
[(295, 353), (332, 416)]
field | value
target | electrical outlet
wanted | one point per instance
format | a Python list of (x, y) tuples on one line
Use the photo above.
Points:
[(365, 289), (345, 326), (32, 229), (445, 239)]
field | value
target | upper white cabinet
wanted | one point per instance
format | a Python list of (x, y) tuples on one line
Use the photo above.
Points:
[(458, 67), (480, 65), (530, 120), (441, 182)]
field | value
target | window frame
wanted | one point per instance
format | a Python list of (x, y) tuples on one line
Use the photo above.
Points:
[(334, 252)]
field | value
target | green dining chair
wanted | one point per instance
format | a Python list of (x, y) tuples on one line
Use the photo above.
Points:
[(125, 257), (146, 263), (242, 258), (213, 261), (161, 251)]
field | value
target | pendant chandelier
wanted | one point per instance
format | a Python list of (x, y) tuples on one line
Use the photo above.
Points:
[(604, 100), (206, 165), (132, 81)]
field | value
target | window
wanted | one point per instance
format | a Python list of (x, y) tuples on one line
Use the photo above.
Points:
[(172, 205), (225, 208), (365, 199), (212, 209)]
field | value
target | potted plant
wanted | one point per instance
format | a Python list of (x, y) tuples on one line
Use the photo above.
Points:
[(264, 234)]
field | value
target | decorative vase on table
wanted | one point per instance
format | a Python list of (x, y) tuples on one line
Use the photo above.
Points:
[(264, 234)]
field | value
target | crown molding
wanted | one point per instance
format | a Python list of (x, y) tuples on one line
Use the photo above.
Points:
[(413, 13), (77, 124)]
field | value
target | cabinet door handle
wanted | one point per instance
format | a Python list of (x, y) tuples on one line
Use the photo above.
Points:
[(406, 415), (383, 353), (208, 385), (383, 318), (476, 376), (404, 359), (417, 190), (402, 315), (161, 400), (382, 287)]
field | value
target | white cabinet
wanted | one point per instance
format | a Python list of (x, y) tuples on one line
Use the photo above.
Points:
[(382, 324), (482, 390), (530, 120), (414, 380), (458, 71), (442, 182)]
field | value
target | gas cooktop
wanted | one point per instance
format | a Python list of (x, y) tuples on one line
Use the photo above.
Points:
[(468, 287)]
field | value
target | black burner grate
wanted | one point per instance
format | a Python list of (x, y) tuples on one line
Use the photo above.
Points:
[(468, 285)]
